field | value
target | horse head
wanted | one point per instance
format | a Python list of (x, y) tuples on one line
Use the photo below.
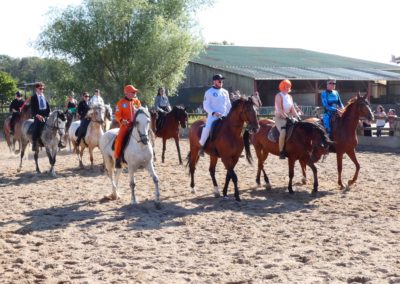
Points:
[(142, 125), (247, 112), (97, 114), (364, 108), (56, 121), (180, 115)]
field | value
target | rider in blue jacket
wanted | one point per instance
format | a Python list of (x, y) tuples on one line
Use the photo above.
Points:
[(331, 103)]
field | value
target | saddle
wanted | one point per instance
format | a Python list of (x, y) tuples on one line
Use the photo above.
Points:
[(124, 143), (215, 128), (273, 133)]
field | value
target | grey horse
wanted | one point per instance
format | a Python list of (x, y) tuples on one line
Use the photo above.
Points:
[(53, 132)]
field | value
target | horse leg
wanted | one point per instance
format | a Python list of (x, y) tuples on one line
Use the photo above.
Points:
[(315, 173), (80, 154), (291, 174), (91, 157), (52, 160), (234, 178), (339, 159), (36, 155), (163, 149), (261, 165), (150, 169), (23, 147), (213, 164), (193, 157), (178, 149), (303, 164), (227, 180), (132, 185), (352, 155)]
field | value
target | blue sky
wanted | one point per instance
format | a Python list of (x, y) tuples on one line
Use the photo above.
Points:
[(366, 30)]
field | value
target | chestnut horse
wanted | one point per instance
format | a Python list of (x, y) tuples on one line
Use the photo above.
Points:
[(344, 133), (12, 139), (306, 143), (170, 129), (227, 145)]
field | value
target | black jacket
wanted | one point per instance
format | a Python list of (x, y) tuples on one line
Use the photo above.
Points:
[(35, 107), (16, 105), (83, 109)]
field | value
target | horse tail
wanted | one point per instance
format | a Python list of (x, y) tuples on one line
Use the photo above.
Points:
[(246, 141)]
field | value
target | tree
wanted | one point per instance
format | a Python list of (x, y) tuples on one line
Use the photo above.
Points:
[(147, 43), (8, 86)]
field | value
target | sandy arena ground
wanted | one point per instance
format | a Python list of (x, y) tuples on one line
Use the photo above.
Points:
[(57, 230)]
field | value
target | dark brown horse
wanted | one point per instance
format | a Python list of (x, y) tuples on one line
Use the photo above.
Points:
[(306, 143), (12, 139), (170, 128), (228, 144), (344, 133)]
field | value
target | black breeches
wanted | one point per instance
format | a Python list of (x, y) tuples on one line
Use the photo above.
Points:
[(14, 117), (83, 127)]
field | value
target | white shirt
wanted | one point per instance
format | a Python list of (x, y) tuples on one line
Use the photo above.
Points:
[(217, 100), (96, 100), (287, 103)]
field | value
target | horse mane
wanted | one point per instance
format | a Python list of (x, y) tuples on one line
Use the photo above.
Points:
[(237, 102), (309, 127)]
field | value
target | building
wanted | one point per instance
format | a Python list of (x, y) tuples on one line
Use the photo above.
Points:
[(250, 69)]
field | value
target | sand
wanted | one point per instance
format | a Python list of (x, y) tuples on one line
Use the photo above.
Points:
[(57, 230)]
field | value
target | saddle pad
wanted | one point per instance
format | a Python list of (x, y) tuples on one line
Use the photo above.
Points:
[(273, 134), (215, 128)]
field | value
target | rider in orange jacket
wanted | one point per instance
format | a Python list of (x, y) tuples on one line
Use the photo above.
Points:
[(125, 115)]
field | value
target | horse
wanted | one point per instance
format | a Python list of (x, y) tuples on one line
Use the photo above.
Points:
[(227, 145), (93, 133), (71, 117), (170, 129), (344, 133), (12, 139), (138, 154), (306, 143), (52, 133)]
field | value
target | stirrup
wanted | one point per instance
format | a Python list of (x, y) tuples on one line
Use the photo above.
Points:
[(282, 155)]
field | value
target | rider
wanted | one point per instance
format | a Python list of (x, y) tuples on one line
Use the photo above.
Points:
[(71, 104), (15, 109), (162, 106), (284, 108), (40, 110), (83, 108), (96, 99), (217, 104), (125, 115), (332, 104)]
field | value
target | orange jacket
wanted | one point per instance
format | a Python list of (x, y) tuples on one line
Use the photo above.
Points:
[(126, 109)]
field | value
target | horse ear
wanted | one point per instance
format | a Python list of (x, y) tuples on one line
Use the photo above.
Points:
[(358, 94), (366, 95)]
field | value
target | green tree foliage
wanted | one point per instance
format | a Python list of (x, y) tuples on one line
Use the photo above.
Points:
[(146, 43), (8, 87)]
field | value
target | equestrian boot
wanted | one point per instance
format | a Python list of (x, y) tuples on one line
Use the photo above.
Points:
[(282, 155), (118, 163), (201, 151)]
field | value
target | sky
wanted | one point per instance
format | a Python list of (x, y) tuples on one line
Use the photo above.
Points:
[(360, 29)]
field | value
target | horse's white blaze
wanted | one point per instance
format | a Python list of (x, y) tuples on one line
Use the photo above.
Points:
[(137, 154)]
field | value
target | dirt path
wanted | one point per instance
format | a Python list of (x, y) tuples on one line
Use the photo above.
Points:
[(56, 230)]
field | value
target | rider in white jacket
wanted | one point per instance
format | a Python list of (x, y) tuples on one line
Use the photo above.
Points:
[(216, 103)]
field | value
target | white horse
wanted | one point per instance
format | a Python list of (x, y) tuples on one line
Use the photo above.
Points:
[(138, 154), (93, 133), (53, 132)]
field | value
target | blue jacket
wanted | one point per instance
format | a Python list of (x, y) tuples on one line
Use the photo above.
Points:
[(331, 101)]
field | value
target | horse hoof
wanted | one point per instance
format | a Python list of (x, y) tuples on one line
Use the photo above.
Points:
[(268, 186), (238, 199), (193, 190), (226, 197), (18, 170), (291, 192), (111, 197), (304, 180), (217, 195), (158, 205)]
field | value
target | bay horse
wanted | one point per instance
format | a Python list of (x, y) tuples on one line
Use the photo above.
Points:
[(306, 143), (344, 133), (53, 132), (13, 139), (228, 144), (138, 154), (170, 129), (93, 133)]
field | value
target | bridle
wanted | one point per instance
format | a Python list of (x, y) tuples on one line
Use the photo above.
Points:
[(56, 125), (143, 137)]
